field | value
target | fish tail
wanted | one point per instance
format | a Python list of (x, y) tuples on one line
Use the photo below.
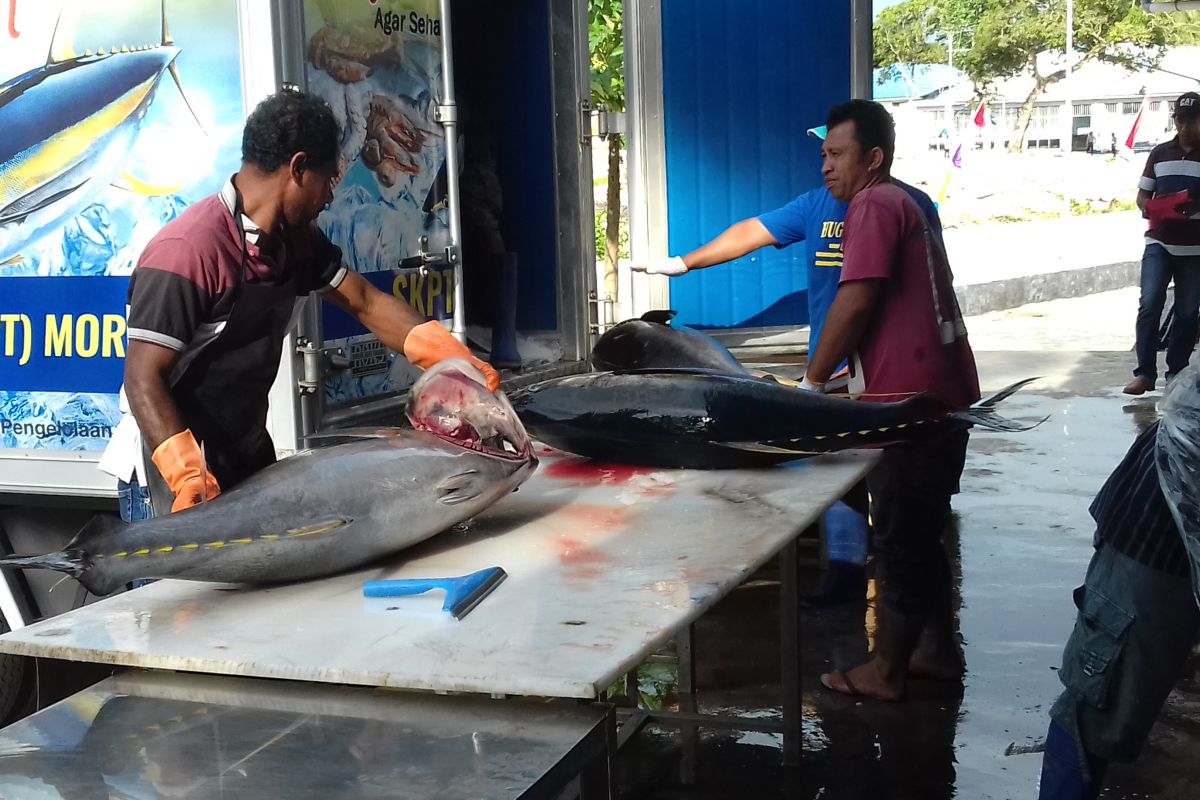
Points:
[(995, 399), (983, 413), (71, 561), (983, 417)]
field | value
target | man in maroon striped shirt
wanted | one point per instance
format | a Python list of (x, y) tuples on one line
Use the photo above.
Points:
[(214, 295)]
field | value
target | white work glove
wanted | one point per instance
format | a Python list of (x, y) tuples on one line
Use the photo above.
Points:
[(670, 266), (809, 386)]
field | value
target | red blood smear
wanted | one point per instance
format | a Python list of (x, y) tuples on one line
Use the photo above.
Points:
[(576, 552), (593, 473)]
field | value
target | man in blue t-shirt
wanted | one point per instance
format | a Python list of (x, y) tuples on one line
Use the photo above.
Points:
[(817, 219)]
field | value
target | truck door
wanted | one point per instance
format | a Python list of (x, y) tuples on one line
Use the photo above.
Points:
[(414, 118), (381, 68)]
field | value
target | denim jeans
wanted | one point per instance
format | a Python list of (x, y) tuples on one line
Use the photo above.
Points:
[(1158, 268), (134, 500), (135, 506)]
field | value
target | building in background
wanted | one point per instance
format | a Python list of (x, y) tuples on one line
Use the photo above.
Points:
[(934, 105)]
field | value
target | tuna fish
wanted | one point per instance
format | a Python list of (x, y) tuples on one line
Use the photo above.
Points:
[(708, 419), (325, 510), (652, 342)]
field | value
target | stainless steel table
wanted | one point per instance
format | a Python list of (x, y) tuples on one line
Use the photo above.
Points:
[(198, 737)]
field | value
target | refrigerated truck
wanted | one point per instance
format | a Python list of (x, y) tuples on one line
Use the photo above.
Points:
[(116, 118)]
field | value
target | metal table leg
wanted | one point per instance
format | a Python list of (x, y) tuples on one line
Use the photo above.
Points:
[(685, 649), (789, 625), (588, 767)]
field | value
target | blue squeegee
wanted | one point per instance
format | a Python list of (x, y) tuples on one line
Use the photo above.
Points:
[(462, 593)]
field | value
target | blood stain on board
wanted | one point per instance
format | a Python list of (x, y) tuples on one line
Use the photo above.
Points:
[(586, 472), (575, 552)]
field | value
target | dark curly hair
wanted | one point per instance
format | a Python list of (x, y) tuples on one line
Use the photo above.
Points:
[(286, 123), (873, 127)]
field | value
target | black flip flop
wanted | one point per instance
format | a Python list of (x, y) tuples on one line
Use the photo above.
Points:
[(851, 691)]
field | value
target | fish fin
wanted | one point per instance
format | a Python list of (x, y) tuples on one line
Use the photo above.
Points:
[(1003, 393), (771, 376), (452, 490), (71, 561), (96, 527), (364, 432), (130, 183), (771, 448), (987, 418), (983, 414), (61, 46), (174, 70), (322, 526), (661, 316), (18, 215)]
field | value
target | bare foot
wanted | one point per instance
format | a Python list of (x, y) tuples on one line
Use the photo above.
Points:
[(948, 667), (864, 680)]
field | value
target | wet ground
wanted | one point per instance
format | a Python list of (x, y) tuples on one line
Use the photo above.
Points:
[(1022, 540)]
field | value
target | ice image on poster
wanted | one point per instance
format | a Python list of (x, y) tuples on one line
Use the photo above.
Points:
[(378, 65), (116, 116)]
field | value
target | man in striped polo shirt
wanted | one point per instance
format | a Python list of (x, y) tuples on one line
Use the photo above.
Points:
[(1168, 195)]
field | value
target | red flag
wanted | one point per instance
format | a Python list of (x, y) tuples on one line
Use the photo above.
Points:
[(980, 118), (1129, 140)]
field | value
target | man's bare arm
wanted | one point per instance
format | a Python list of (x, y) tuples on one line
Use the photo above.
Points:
[(384, 315), (147, 385), (848, 318), (736, 241), (1143, 197)]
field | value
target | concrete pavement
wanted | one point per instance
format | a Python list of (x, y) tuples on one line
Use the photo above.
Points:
[(1021, 543), (1005, 265)]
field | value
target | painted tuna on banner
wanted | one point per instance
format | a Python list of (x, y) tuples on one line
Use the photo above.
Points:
[(68, 128)]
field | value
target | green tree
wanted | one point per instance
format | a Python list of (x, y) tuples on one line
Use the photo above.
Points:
[(1003, 38), (907, 34), (606, 43)]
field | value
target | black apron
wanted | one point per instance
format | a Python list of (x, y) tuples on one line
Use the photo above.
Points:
[(222, 394)]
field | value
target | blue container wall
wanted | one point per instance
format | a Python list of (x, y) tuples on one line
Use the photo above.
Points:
[(743, 82)]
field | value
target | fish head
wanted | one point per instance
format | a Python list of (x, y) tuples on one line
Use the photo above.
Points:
[(623, 346), (451, 400)]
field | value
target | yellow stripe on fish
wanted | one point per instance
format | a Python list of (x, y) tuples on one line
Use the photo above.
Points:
[(292, 533), (69, 146)]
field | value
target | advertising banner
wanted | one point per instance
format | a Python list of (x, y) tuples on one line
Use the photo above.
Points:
[(115, 117), (378, 64)]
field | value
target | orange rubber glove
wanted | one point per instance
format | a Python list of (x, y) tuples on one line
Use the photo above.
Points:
[(429, 343), (182, 466)]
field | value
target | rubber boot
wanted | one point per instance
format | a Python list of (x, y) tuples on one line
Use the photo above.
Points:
[(846, 574), (1063, 774), (504, 328)]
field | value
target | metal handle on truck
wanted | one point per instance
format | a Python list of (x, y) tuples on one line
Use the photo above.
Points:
[(317, 363)]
